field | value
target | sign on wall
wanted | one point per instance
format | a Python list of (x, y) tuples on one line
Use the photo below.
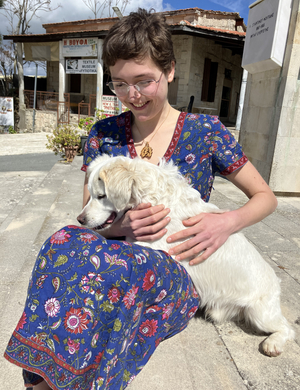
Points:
[(81, 66), (6, 112), (110, 105), (80, 47), (266, 36)]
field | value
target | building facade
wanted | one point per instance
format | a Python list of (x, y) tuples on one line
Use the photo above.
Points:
[(208, 48)]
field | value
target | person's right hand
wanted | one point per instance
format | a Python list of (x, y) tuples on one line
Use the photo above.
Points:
[(143, 223)]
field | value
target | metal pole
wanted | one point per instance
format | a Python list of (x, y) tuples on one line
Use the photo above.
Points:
[(34, 97)]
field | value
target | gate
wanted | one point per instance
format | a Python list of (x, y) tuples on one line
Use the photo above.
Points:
[(84, 109)]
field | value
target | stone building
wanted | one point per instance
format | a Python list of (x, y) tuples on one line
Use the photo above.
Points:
[(270, 132), (208, 49)]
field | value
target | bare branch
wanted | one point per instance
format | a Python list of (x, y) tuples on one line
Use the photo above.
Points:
[(19, 13), (99, 7)]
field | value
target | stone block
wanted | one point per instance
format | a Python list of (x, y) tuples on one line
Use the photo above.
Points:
[(289, 122), (285, 173), (264, 92)]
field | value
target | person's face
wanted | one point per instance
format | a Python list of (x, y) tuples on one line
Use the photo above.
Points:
[(143, 107)]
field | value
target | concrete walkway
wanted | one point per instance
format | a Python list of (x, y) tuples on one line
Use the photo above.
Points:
[(39, 195)]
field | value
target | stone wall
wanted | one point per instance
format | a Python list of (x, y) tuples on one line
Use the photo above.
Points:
[(182, 49), (45, 121), (190, 53)]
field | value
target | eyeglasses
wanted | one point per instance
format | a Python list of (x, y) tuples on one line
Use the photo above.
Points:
[(145, 87)]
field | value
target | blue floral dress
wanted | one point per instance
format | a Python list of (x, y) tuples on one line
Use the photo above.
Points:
[(97, 309)]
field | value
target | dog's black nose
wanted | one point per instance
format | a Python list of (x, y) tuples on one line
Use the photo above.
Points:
[(81, 219)]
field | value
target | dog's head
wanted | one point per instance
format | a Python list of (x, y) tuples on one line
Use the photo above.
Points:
[(114, 188)]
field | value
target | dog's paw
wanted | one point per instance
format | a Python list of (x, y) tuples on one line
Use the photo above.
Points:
[(273, 345)]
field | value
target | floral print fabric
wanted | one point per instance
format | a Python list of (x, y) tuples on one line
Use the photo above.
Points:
[(201, 146), (97, 309)]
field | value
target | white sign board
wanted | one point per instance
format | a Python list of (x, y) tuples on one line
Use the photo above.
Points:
[(266, 36), (81, 66), (110, 105), (6, 112), (80, 47)]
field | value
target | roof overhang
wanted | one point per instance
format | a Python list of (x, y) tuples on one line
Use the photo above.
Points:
[(228, 40), (53, 37)]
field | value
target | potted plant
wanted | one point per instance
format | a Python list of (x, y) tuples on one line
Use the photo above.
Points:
[(64, 140)]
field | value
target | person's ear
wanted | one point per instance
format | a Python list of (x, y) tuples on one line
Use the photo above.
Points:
[(172, 72)]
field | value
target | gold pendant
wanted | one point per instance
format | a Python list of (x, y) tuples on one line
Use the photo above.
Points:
[(147, 151)]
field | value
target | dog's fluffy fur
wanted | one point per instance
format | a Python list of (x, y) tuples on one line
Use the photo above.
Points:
[(233, 281)]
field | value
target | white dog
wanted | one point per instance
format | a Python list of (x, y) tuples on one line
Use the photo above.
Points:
[(233, 281)]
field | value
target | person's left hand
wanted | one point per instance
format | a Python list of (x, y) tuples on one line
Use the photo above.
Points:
[(207, 233)]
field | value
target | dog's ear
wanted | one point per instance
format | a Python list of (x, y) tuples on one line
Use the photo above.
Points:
[(95, 162), (119, 180)]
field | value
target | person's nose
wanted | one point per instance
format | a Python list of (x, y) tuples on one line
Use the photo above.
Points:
[(133, 92)]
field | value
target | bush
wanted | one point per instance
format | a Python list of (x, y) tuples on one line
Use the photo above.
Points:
[(63, 139), (12, 130), (86, 124)]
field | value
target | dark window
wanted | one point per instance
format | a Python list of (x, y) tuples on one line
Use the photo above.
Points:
[(75, 83), (228, 74), (209, 80), (224, 110)]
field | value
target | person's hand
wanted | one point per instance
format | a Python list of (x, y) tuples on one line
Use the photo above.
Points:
[(144, 222), (207, 233)]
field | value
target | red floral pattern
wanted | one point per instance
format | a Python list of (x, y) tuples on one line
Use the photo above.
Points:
[(21, 322), (60, 237), (148, 328), (130, 296), (88, 237), (149, 280), (75, 321), (114, 295)]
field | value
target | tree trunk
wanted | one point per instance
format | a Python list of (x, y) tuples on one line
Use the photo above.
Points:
[(22, 107)]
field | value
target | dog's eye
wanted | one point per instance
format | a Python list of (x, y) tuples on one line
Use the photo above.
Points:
[(101, 196)]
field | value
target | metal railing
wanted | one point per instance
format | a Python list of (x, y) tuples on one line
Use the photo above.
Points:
[(84, 109), (49, 101), (44, 100)]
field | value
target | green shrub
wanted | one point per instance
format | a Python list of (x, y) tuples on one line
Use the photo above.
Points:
[(12, 130), (63, 137)]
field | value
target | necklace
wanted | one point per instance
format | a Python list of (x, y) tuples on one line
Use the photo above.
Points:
[(147, 150)]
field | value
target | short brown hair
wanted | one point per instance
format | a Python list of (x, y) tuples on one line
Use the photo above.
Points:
[(138, 35)]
